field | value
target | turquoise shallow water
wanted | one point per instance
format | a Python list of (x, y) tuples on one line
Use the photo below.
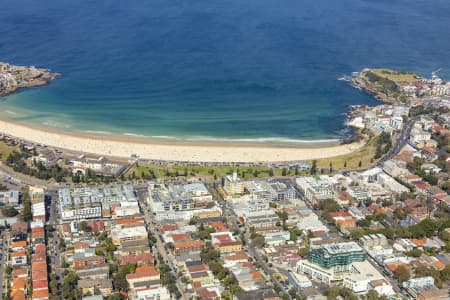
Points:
[(211, 69)]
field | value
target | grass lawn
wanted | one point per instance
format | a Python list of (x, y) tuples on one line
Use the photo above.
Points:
[(5, 150), (396, 76), (365, 155), (219, 171)]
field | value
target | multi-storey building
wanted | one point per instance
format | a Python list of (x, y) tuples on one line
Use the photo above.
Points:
[(188, 246), (88, 202), (262, 220), (331, 262), (232, 184), (316, 190), (174, 198), (338, 256)]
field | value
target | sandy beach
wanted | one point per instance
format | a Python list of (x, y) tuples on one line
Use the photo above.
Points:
[(124, 147)]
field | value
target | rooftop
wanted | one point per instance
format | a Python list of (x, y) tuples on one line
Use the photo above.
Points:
[(342, 247)]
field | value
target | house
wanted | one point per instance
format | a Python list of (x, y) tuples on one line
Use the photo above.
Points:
[(88, 286), (143, 279), (188, 246), (18, 246), (19, 258), (9, 197), (94, 260), (140, 259), (150, 293), (430, 168), (224, 242), (418, 137)]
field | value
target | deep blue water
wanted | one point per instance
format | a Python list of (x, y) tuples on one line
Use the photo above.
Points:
[(213, 68)]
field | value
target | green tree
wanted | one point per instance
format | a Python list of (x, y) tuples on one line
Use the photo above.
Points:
[(26, 211), (333, 292), (9, 212), (69, 289), (85, 227), (314, 167), (445, 273), (402, 273), (120, 280)]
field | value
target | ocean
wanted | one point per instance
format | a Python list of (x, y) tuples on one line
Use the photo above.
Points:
[(253, 70)]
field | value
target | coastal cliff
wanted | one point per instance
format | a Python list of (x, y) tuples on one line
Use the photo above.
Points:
[(385, 84), (13, 78)]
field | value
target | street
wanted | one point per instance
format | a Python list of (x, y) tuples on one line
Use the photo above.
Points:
[(53, 238), (400, 142), (4, 246), (149, 220), (252, 251)]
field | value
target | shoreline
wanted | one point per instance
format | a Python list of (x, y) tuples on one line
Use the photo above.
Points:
[(14, 78), (122, 146)]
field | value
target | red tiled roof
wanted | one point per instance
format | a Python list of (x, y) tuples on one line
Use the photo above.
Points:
[(19, 244), (39, 266), (19, 272), (256, 275), (180, 236), (18, 253), (198, 268), (134, 220), (419, 242), (79, 246), (133, 259), (40, 294), (38, 284), (36, 276), (147, 271), (420, 184), (237, 256), (169, 227), (339, 214), (187, 244)]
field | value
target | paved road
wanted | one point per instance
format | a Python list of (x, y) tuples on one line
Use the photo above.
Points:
[(53, 240), (25, 179), (150, 221), (400, 142), (4, 256), (253, 252)]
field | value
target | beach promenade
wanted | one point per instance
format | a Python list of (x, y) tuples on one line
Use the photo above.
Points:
[(125, 147)]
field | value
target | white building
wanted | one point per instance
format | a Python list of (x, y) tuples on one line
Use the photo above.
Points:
[(88, 202), (421, 282), (299, 281), (151, 293), (127, 209), (310, 221), (81, 213), (233, 185), (264, 219), (176, 198), (10, 197), (394, 169), (198, 192), (316, 272), (314, 189), (391, 184), (277, 238), (360, 276), (418, 137)]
